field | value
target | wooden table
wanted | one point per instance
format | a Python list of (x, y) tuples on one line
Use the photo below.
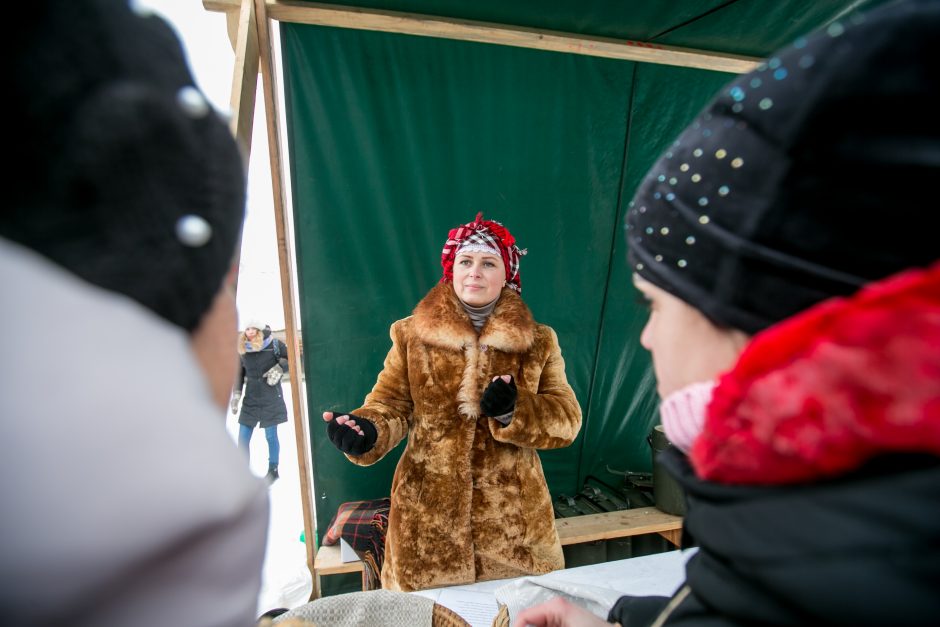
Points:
[(574, 530)]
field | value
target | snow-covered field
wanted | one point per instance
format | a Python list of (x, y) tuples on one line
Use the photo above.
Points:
[(286, 579)]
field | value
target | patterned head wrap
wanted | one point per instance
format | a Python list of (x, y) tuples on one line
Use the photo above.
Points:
[(483, 236)]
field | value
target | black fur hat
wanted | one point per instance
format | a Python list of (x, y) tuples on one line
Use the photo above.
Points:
[(804, 179), (121, 170)]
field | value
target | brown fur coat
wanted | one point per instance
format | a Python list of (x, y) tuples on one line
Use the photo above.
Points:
[(469, 499)]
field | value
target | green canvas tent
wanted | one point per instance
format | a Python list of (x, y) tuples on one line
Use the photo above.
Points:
[(407, 117)]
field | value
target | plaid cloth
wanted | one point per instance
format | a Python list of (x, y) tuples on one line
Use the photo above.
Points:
[(363, 524), (484, 234)]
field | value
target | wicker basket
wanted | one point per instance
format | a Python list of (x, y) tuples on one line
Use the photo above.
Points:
[(502, 618), (378, 608), (446, 617)]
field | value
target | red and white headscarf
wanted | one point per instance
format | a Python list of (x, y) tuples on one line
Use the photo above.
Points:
[(483, 236)]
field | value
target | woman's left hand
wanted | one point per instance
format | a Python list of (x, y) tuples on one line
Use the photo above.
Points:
[(499, 397)]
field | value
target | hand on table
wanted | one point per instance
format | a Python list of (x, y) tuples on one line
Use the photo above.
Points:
[(558, 613)]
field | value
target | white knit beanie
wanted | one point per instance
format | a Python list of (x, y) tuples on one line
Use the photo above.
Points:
[(256, 323)]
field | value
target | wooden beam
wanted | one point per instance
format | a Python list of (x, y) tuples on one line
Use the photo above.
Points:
[(231, 26), (288, 272), (298, 12), (245, 78)]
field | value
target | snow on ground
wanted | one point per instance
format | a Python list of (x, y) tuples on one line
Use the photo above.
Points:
[(286, 581)]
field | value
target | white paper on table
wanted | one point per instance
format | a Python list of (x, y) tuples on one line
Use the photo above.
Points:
[(597, 587), (477, 608), (659, 574)]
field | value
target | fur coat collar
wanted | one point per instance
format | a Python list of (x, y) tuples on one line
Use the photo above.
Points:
[(821, 393), (440, 320)]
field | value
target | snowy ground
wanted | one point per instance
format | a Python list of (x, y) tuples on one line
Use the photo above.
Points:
[(286, 579)]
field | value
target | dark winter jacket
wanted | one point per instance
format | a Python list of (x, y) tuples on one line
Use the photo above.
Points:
[(261, 402), (863, 549), (815, 495)]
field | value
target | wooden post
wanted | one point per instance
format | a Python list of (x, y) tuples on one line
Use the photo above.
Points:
[(244, 78), (286, 262)]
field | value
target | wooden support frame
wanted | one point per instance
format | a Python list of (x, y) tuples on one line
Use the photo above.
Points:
[(244, 77), (248, 23), (299, 12), (288, 272), (253, 52)]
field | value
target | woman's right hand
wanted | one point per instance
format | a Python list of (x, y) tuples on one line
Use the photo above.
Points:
[(351, 434)]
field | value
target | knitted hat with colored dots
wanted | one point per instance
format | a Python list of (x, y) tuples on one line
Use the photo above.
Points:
[(804, 179)]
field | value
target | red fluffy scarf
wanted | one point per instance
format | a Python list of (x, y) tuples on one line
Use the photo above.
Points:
[(819, 394)]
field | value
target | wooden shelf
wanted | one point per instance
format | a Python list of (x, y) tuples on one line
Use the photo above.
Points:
[(328, 562), (620, 524)]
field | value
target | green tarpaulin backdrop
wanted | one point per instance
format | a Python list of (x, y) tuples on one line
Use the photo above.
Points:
[(395, 139)]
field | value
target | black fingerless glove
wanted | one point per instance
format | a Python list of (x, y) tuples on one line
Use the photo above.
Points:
[(347, 440), (499, 398)]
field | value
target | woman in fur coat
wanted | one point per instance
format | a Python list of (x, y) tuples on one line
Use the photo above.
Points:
[(477, 387), (795, 336), (263, 362)]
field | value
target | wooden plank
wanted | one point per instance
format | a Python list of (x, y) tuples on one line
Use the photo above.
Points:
[(328, 562), (288, 273), (317, 14), (621, 524)]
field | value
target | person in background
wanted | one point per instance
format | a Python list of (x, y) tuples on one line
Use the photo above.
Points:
[(263, 364), (124, 500), (785, 245), (477, 386)]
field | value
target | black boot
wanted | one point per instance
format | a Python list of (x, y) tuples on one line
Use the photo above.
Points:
[(272, 475)]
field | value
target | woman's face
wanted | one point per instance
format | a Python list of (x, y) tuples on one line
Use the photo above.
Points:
[(250, 333), (478, 278), (686, 346)]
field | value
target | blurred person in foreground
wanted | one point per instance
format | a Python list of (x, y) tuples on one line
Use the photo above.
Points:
[(785, 245), (124, 500)]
